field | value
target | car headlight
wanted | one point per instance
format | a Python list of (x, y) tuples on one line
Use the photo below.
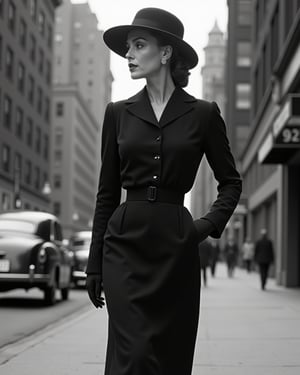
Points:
[(42, 256)]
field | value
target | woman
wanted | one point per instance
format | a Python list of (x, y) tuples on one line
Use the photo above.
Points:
[(145, 251)]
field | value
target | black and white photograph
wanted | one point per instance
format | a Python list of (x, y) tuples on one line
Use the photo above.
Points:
[(150, 187)]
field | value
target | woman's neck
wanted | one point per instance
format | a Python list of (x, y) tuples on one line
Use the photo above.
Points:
[(160, 89)]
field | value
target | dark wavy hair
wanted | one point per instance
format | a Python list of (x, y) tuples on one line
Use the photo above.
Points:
[(179, 69)]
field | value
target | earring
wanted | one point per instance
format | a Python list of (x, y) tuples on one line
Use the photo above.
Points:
[(163, 61)]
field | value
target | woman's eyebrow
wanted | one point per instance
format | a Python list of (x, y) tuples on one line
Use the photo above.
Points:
[(137, 38)]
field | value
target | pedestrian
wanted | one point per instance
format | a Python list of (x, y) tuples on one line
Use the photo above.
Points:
[(205, 257), (264, 256), (144, 251), (248, 254), (215, 253), (231, 252)]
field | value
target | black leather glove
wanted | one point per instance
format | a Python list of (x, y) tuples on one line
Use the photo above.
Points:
[(94, 288), (204, 228)]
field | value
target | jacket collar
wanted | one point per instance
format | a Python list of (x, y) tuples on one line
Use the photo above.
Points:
[(179, 103)]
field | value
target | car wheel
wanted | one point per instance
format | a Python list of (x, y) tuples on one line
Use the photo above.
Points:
[(65, 293), (50, 295)]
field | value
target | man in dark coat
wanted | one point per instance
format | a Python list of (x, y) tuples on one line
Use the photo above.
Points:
[(205, 255), (231, 252), (264, 256)]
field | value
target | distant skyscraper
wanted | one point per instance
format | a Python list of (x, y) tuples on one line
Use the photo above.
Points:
[(82, 88), (26, 52), (204, 191), (238, 86)]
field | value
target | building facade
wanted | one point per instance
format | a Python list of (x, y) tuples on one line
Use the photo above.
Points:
[(204, 191), (270, 162), (238, 94), (26, 52), (82, 88)]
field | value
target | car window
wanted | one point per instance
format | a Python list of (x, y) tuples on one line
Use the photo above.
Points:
[(17, 226), (57, 232)]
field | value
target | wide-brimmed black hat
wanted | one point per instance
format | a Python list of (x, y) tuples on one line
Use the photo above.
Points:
[(160, 21)]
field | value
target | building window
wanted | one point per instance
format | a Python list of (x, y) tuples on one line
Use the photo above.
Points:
[(243, 92), (243, 54), (47, 110), (56, 208), (33, 9), (42, 23), (40, 101), (7, 116), (32, 49), (244, 12), (9, 63), (19, 123), (59, 109), (49, 36), (58, 138), (29, 132), (37, 181), (23, 33), (28, 172), (21, 77), (275, 37), (46, 147), (11, 16), (41, 61), (57, 181), (48, 73), (1, 43), (31, 87), (6, 158), (57, 157), (1, 7), (18, 164), (38, 140)]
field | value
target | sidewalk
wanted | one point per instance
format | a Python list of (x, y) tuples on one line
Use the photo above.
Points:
[(243, 331)]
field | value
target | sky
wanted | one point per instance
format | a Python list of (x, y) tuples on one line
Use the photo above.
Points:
[(198, 17)]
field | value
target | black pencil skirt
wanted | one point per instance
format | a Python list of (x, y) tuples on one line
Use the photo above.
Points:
[(151, 282)]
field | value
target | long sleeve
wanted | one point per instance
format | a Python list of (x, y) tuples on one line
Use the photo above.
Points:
[(109, 190), (220, 159)]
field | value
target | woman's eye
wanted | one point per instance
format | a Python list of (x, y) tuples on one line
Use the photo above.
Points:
[(139, 45)]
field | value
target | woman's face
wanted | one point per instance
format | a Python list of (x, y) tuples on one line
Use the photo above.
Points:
[(144, 54)]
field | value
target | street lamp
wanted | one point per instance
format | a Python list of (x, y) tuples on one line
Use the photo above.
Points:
[(46, 189)]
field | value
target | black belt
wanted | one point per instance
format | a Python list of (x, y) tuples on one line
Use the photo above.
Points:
[(155, 194)]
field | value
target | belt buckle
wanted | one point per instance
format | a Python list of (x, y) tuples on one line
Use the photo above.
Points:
[(151, 193)]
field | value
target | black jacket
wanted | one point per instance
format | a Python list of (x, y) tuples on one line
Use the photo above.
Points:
[(138, 151), (264, 252)]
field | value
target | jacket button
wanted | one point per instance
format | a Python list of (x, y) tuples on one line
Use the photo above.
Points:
[(158, 138), (157, 157), (155, 177)]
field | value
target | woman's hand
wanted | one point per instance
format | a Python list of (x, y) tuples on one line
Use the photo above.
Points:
[(203, 228), (94, 288)]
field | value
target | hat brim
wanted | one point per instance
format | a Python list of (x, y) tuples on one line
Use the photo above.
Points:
[(116, 38)]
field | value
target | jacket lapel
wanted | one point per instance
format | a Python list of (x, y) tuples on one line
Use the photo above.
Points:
[(179, 104), (139, 105)]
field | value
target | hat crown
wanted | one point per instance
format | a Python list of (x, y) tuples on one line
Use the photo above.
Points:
[(159, 19)]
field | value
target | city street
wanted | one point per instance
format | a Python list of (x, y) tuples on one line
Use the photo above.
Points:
[(22, 314), (243, 331)]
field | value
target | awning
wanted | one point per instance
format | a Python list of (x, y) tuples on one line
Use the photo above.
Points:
[(283, 140)]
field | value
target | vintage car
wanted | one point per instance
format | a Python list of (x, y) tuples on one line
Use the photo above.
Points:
[(32, 254), (80, 245)]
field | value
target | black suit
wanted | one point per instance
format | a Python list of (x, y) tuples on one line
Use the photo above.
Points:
[(147, 252)]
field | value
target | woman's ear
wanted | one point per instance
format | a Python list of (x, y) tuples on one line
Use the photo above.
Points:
[(166, 54)]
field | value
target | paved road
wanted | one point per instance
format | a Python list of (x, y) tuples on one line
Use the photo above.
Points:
[(22, 314)]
